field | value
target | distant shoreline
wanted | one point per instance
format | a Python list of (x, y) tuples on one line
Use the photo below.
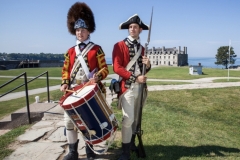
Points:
[(207, 62)]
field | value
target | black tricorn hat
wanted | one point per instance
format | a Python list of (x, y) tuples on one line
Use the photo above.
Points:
[(133, 19), (80, 15)]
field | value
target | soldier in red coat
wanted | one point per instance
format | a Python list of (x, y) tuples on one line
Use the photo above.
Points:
[(128, 59), (81, 61)]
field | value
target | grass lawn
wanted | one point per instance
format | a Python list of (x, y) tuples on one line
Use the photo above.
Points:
[(182, 73), (226, 80), (31, 85), (180, 124), (8, 138), (52, 71), (157, 73), (191, 124), (33, 72), (8, 107), (152, 83)]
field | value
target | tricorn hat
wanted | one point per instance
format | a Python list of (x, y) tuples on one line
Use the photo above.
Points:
[(80, 16), (133, 19)]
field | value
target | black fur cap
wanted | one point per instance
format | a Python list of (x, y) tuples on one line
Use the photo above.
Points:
[(83, 11)]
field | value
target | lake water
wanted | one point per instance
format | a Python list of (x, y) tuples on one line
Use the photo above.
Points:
[(207, 62)]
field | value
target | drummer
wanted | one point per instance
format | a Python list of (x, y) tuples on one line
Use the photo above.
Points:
[(81, 64)]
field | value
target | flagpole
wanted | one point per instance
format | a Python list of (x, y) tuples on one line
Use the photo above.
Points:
[(229, 57)]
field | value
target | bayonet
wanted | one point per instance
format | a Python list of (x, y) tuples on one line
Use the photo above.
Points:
[(150, 28)]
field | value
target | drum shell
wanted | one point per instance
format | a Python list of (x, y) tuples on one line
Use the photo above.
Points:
[(90, 112)]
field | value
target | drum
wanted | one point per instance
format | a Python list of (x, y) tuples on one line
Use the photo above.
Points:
[(90, 113)]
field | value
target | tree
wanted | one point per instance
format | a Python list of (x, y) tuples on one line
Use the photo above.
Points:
[(222, 56)]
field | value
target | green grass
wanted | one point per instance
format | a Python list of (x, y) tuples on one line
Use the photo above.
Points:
[(182, 73), (191, 124), (8, 138), (152, 83), (180, 124), (52, 71), (31, 85), (8, 107), (188, 124), (226, 80)]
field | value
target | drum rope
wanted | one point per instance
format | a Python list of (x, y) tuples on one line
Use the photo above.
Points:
[(110, 135), (79, 118)]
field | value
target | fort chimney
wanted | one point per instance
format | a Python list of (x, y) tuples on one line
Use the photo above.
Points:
[(163, 49), (185, 50)]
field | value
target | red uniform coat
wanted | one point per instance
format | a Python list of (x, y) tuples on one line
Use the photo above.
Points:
[(95, 59), (120, 59)]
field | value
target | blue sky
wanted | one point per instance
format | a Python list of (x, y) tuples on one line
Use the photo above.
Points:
[(35, 26)]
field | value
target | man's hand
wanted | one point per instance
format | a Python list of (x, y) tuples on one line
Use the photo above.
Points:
[(64, 87), (94, 79), (141, 79), (146, 61)]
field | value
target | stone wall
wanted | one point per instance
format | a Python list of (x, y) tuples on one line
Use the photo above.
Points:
[(51, 63), (41, 63), (9, 64)]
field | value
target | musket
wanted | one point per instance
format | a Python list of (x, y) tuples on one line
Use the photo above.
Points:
[(142, 86)]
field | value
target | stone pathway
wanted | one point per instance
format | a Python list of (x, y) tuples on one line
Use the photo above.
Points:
[(45, 139)]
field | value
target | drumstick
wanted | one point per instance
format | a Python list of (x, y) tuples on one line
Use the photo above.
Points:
[(70, 91), (101, 71), (82, 87), (90, 81)]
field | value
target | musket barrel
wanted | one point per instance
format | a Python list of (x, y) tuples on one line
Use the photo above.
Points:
[(140, 103)]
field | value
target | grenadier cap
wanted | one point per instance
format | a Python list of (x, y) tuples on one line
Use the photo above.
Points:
[(80, 16), (133, 19)]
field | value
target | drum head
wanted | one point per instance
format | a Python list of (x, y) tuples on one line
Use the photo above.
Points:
[(76, 97)]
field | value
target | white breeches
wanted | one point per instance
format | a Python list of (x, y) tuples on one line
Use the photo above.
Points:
[(128, 110), (72, 134)]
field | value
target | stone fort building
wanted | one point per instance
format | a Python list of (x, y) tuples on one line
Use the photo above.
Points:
[(168, 56)]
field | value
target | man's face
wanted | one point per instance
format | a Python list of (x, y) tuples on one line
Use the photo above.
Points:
[(82, 34), (134, 30)]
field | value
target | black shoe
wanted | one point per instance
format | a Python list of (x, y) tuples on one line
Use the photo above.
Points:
[(134, 149), (124, 157), (89, 152), (91, 155), (71, 156), (126, 151)]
